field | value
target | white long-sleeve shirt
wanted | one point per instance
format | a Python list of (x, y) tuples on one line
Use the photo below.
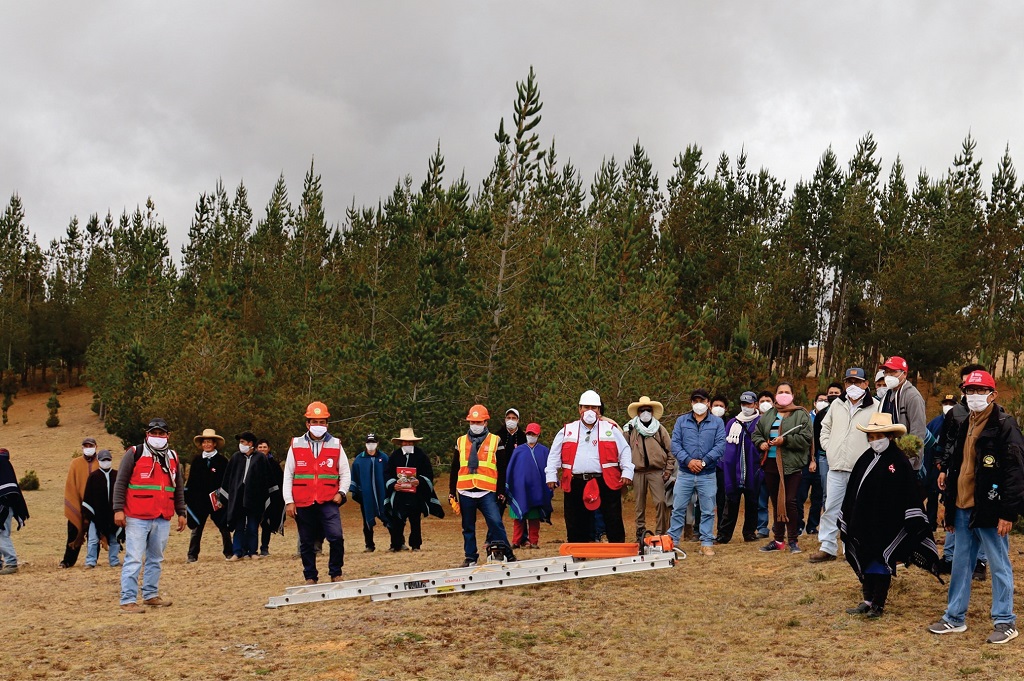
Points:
[(587, 459), (344, 472)]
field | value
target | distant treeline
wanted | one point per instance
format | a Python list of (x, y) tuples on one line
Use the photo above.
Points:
[(520, 290)]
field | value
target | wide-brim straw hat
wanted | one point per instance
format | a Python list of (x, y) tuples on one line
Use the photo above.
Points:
[(208, 434), (881, 422), (406, 435), (656, 407)]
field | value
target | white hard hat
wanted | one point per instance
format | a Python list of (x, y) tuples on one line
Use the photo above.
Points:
[(590, 399)]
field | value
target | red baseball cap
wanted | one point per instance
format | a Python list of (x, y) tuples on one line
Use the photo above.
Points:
[(592, 495), (981, 379), (895, 363), (533, 429)]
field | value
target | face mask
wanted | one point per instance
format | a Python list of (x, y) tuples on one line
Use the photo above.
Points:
[(590, 417), (977, 403), (891, 382), (699, 408), (880, 393), (879, 445), (407, 449), (371, 447), (646, 416), (718, 411), (784, 399), (477, 428), (821, 405), (511, 425), (833, 398), (318, 431), (89, 452), (156, 442), (946, 408), (765, 407), (855, 392), (531, 439), (749, 411), (105, 465), (245, 449)]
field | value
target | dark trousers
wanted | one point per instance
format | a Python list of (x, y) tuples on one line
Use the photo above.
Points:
[(265, 532), (415, 536), (320, 521), (247, 536), (792, 483), (876, 589), (720, 500), (70, 554), (197, 536), (488, 506), (579, 522), (727, 527), (932, 496), (810, 484)]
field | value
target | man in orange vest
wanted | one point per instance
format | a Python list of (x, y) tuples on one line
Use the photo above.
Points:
[(149, 491), (592, 461), (316, 480), (474, 482)]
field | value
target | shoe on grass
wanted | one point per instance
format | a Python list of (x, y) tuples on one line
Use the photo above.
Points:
[(469, 562), (795, 548), (337, 578), (821, 557), (772, 546), (944, 627), (861, 609), (707, 551), (980, 570), (9, 570), (310, 582), (132, 609), (157, 602), (874, 613), (1004, 632)]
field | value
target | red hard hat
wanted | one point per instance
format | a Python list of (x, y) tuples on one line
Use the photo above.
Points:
[(981, 379), (478, 412), (317, 410)]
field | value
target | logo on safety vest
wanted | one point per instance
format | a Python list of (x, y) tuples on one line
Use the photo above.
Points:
[(330, 463), (608, 433), (300, 462)]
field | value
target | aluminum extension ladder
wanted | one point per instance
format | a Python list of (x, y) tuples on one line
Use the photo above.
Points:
[(491, 575)]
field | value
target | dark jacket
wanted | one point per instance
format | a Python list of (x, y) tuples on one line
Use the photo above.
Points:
[(246, 494), (998, 471), (204, 476), (741, 462), (509, 442), (12, 501), (401, 505), (369, 475), (274, 516), (98, 502), (947, 435)]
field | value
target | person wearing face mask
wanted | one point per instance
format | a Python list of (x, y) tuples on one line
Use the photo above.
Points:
[(74, 490), (844, 442), (719, 406), (783, 435), (933, 458), (765, 402), (246, 491), (698, 442), (409, 492), (882, 521), (984, 486), (98, 512), (528, 496), (653, 463), (742, 474), (148, 492), (202, 502), (905, 403), (812, 480), (511, 436), (880, 387), (273, 517), (474, 481), (316, 482), (13, 511), (591, 461), (367, 488)]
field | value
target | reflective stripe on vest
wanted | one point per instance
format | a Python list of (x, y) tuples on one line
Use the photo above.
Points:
[(486, 476), (150, 492), (319, 481)]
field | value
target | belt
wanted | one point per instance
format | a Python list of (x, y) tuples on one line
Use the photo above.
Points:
[(585, 476)]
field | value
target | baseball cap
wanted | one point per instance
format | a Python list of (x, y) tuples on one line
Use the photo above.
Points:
[(512, 410), (982, 379), (748, 397), (533, 429), (104, 455), (856, 372), (895, 363), (951, 399), (89, 441), (699, 392)]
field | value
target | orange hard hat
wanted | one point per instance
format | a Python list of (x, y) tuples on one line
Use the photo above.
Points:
[(317, 410), (478, 412)]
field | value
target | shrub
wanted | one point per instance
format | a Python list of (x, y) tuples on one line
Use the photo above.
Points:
[(29, 482)]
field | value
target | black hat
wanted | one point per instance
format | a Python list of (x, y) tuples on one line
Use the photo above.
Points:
[(699, 392), (246, 435), (157, 423), (371, 437), (104, 455)]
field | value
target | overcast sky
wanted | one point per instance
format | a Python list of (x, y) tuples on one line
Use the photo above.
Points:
[(106, 103)]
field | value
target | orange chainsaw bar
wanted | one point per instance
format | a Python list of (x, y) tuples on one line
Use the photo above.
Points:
[(599, 550)]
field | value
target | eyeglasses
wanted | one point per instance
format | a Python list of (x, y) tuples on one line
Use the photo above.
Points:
[(978, 391)]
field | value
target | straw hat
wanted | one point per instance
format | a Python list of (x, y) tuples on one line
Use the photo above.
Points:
[(406, 435), (208, 434), (657, 407), (881, 422)]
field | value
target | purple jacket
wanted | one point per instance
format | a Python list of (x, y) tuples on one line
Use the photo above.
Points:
[(741, 462)]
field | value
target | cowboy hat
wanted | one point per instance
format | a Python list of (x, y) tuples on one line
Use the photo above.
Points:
[(406, 435), (208, 434), (881, 422), (657, 407)]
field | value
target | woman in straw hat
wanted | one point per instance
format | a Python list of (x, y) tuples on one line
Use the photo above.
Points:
[(409, 490), (883, 521), (206, 476)]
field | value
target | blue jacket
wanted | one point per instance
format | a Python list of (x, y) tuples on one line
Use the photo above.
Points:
[(704, 440), (367, 487), (524, 482)]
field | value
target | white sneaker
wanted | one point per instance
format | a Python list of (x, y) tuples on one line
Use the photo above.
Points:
[(1004, 633), (944, 627)]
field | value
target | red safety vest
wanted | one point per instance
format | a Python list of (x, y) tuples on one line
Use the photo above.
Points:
[(607, 453), (486, 476), (316, 479), (150, 491)]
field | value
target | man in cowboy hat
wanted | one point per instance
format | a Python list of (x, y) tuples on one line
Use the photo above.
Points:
[(316, 482), (409, 490), (984, 485), (474, 482), (653, 463), (205, 478), (592, 462), (905, 403)]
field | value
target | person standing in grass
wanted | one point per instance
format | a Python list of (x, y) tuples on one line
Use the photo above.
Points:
[(367, 488), (409, 492), (529, 498), (74, 491), (742, 473), (205, 478), (98, 512), (273, 518), (13, 510), (246, 488), (653, 463)]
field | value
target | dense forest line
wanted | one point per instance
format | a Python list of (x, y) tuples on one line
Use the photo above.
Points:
[(521, 290)]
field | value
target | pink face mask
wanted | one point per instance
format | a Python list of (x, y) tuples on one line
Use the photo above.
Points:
[(784, 399)]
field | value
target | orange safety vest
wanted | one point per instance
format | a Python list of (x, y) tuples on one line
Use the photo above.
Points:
[(316, 479), (607, 453), (486, 476), (150, 492)]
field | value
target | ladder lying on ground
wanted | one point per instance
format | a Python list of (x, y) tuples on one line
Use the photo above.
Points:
[(578, 561)]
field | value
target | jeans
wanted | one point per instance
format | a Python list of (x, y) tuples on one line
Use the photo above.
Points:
[(488, 507), (828, 531), (998, 550), (949, 549), (707, 489), (762, 511), (823, 472), (319, 522), (8, 558), (143, 539), (247, 537), (92, 552)]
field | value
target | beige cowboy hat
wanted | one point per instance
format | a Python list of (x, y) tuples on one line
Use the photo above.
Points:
[(881, 422), (406, 435), (208, 434), (656, 407)]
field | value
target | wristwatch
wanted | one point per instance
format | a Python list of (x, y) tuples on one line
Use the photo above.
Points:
[(702, 464)]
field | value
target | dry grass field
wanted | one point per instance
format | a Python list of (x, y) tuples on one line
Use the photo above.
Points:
[(740, 615)]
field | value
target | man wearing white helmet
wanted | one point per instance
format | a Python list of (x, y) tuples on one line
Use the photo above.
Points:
[(591, 460)]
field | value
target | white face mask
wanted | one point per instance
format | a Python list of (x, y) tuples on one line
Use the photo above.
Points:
[(854, 392), (531, 439), (318, 431), (946, 408), (879, 445), (821, 405), (88, 452), (156, 442), (511, 424), (590, 417), (977, 403), (477, 428), (105, 465), (748, 411), (646, 416), (891, 382), (699, 408), (407, 449), (718, 411), (765, 407), (880, 393), (371, 447), (245, 449)]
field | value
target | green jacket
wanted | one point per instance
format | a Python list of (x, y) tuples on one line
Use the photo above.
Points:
[(796, 448)]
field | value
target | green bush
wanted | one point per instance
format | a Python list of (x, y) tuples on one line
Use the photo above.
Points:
[(29, 482)]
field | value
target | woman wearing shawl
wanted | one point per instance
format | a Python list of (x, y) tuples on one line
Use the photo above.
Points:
[(528, 495), (741, 471), (883, 521), (12, 510)]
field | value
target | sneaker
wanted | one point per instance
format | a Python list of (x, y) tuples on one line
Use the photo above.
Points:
[(233, 558), (469, 562), (874, 613), (1004, 633), (415, 548), (794, 548), (191, 559), (157, 602), (814, 531), (944, 627), (821, 557), (763, 534), (369, 549), (132, 609), (265, 552), (772, 546), (707, 551), (861, 609), (9, 570), (979, 571), (90, 567), (534, 546), (750, 537)]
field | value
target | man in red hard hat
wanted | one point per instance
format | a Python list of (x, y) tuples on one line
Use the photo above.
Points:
[(316, 480), (905, 403)]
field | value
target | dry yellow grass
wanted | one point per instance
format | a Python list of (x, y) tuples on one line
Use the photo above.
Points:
[(740, 615)]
